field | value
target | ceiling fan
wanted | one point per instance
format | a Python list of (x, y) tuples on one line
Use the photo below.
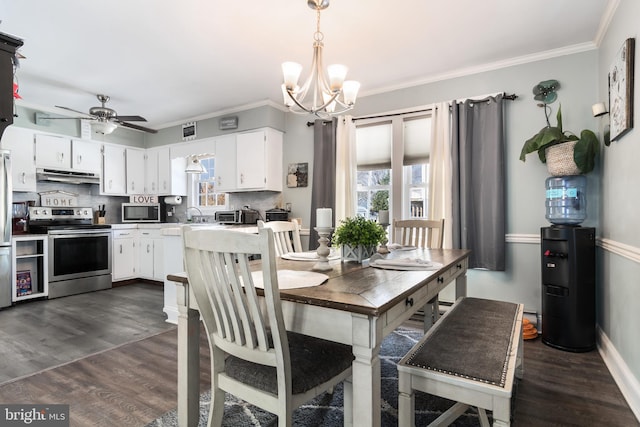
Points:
[(105, 120)]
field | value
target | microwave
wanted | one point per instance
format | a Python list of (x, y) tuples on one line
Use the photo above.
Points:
[(141, 212)]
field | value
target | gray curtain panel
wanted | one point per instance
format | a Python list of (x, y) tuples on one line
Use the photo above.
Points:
[(323, 192), (478, 181)]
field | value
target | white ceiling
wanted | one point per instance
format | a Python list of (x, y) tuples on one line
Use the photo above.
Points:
[(171, 61)]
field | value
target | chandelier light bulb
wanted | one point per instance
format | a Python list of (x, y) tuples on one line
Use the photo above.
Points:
[(337, 74), (291, 72)]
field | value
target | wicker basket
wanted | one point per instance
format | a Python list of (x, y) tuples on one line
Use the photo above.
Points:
[(560, 159)]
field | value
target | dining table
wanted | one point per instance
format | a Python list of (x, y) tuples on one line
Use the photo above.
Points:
[(358, 305)]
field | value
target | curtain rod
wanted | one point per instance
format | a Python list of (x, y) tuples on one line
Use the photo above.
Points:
[(506, 96)]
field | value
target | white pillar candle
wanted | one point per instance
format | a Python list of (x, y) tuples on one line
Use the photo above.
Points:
[(324, 217), (383, 217)]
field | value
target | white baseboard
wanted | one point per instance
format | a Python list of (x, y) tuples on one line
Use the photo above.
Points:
[(624, 378), (172, 314)]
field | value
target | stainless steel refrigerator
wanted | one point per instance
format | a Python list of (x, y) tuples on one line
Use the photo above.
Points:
[(6, 278)]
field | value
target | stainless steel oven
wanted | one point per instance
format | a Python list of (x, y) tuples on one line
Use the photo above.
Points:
[(79, 261), (79, 251)]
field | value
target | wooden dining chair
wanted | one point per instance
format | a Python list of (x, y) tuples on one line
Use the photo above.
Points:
[(286, 235), (253, 357), (423, 233)]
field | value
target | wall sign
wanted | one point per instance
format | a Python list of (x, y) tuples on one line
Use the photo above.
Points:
[(143, 198), (58, 199), (228, 123), (189, 131)]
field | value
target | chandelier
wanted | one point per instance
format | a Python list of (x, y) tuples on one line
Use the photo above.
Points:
[(329, 94)]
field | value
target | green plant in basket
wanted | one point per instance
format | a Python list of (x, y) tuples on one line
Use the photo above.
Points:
[(585, 147), (358, 231)]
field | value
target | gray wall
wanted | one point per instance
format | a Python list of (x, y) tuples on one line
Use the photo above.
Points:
[(618, 296), (525, 182)]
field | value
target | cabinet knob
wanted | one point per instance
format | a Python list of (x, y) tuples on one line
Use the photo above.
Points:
[(440, 279), (4, 119)]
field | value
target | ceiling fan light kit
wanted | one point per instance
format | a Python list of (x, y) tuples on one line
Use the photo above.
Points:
[(324, 90)]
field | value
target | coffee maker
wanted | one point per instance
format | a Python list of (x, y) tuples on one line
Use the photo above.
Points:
[(20, 216)]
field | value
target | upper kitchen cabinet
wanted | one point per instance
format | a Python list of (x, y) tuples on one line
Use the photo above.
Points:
[(114, 170), (225, 168), (250, 161), (53, 152), (8, 47), (23, 166), (259, 160), (86, 156), (135, 172), (165, 176), (58, 152)]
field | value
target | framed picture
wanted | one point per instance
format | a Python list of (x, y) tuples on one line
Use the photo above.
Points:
[(621, 90), (297, 175)]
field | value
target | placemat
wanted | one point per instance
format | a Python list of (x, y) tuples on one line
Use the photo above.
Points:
[(291, 279), (309, 256)]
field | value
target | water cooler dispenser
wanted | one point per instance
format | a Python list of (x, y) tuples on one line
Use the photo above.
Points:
[(568, 268)]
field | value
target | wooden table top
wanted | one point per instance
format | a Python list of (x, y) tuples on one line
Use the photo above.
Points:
[(358, 288)]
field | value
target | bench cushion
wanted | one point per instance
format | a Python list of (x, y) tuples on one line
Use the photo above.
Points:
[(473, 341)]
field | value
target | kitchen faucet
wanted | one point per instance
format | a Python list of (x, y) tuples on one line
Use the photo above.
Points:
[(193, 207)]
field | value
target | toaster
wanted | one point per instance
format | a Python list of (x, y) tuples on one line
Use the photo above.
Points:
[(276, 215)]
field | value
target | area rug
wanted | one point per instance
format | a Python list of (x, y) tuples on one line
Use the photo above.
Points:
[(327, 409)]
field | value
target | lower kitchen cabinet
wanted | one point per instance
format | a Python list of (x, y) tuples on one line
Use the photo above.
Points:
[(151, 255), (30, 267), (124, 254)]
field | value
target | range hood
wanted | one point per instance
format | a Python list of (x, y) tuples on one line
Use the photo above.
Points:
[(68, 176)]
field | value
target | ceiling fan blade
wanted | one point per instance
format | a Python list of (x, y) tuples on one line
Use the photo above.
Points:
[(136, 127), (66, 118), (131, 118), (75, 111)]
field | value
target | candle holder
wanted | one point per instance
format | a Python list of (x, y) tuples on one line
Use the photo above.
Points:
[(323, 250), (383, 247)]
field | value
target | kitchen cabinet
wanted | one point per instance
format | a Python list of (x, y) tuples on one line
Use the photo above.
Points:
[(23, 164), (124, 257), (135, 173), (172, 178), (151, 172), (58, 152), (53, 152), (250, 161), (8, 47), (30, 267), (151, 255), (86, 156), (225, 166), (165, 176), (113, 181)]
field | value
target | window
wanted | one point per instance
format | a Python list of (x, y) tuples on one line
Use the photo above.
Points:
[(204, 187), (393, 166)]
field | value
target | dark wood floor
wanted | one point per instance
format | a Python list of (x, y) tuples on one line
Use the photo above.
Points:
[(135, 383)]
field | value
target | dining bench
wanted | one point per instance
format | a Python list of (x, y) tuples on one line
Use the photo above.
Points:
[(471, 356)]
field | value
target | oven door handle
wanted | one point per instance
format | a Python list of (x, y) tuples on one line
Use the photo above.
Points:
[(62, 233)]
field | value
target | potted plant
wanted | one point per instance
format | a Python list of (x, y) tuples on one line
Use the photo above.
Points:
[(563, 151), (358, 238)]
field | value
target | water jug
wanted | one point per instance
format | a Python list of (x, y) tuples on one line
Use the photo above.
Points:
[(566, 199)]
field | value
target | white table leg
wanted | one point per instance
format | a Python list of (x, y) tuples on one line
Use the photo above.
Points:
[(461, 286), (367, 336), (188, 361)]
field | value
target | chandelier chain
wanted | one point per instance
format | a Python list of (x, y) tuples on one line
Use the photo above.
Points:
[(318, 36)]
